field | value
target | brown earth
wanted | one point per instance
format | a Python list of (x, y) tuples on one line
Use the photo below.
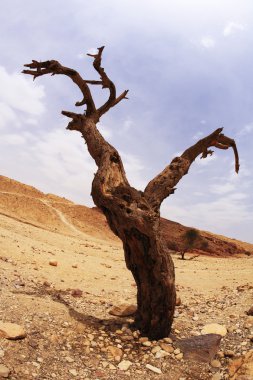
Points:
[(65, 308)]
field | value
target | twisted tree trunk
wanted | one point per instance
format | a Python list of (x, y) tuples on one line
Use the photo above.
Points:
[(133, 215)]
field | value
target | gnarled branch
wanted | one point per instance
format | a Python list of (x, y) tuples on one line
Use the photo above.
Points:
[(106, 83), (164, 183), (54, 67)]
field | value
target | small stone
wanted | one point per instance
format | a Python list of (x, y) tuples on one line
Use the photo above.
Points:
[(124, 365), (123, 310), (69, 359), (178, 301), (76, 292), (127, 338), (250, 311), (153, 369), (167, 347), (156, 349), (229, 353), (179, 356), (75, 265), (215, 363), (143, 339), (53, 263), (168, 340), (214, 328), (161, 354), (177, 351), (73, 372), (11, 331), (115, 352), (147, 343), (4, 371), (216, 376), (242, 367), (234, 366)]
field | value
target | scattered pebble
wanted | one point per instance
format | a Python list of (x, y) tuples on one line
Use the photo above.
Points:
[(153, 369), (124, 365)]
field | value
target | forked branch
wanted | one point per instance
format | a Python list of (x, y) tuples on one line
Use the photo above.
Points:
[(106, 83), (53, 67), (164, 183)]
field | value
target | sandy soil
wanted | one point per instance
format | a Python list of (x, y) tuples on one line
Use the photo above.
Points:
[(34, 230)]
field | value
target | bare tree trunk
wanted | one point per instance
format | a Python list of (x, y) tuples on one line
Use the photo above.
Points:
[(153, 271), (133, 215), (137, 224), (145, 256)]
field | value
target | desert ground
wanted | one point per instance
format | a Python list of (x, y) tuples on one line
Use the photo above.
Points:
[(62, 273)]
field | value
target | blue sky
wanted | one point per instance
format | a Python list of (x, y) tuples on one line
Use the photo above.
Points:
[(188, 67)]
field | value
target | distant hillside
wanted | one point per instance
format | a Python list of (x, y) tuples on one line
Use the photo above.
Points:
[(50, 212), (208, 243)]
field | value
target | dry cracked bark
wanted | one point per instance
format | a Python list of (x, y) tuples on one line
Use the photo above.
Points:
[(134, 216)]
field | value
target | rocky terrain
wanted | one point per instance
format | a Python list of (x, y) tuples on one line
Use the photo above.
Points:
[(67, 300)]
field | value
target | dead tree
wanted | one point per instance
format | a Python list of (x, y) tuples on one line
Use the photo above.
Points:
[(134, 216)]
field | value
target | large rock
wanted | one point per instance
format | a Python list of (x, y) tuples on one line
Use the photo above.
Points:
[(242, 368), (200, 348), (11, 331), (123, 310), (214, 328)]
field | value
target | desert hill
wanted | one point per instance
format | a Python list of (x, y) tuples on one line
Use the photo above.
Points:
[(62, 271), (48, 211)]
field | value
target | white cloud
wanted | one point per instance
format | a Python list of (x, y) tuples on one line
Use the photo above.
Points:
[(221, 215), (205, 161), (232, 27), (105, 131), (198, 135), (222, 188), (134, 170), (21, 101), (7, 116), (13, 139), (83, 55), (207, 42), (20, 93), (59, 160), (248, 128)]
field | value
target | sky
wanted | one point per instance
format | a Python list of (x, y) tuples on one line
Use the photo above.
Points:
[(188, 67)]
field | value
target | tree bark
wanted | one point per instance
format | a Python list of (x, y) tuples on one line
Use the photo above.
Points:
[(134, 216), (137, 224)]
